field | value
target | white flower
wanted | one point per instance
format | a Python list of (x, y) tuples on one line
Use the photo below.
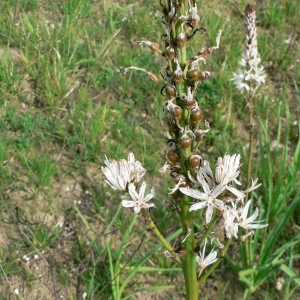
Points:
[(117, 173), (208, 198), (181, 181), (253, 186), (249, 223), (228, 166), (138, 200), (231, 227), (120, 173), (204, 173), (240, 195), (136, 169), (165, 167), (203, 261)]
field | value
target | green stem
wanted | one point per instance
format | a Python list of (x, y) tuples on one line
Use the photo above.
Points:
[(151, 225), (250, 159), (251, 142), (189, 265)]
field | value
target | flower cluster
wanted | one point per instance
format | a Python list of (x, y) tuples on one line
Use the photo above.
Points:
[(125, 175), (120, 173), (251, 76), (219, 190)]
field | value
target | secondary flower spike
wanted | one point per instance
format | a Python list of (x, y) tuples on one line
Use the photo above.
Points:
[(251, 76)]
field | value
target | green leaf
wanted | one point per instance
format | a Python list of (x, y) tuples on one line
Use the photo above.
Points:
[(290, 273)]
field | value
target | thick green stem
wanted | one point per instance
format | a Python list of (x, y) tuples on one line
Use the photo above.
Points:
[(189, 265)]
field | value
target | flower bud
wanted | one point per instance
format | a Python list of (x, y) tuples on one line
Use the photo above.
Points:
[(170, 53), (173, 156), (186, 142)]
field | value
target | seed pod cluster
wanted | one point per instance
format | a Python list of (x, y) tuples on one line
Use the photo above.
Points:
[(182, 77)]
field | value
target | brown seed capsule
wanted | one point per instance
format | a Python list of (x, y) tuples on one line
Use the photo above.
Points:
[(178, 76), (199, 136), (195, 161), (181, 40), (189, 105), (185, 142), (171, 124), (173, 156), (170, 53), (170, 91), (196, 115), (194, 123), (177, 112), (173, 18), (204, 75), (193, 75)]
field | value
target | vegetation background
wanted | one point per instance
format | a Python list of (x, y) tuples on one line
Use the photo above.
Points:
[(65, 103)]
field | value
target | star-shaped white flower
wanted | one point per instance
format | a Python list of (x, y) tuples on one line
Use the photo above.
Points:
[(240, 195), (204, 261), (138, 200), (249, 223), (208, 198)]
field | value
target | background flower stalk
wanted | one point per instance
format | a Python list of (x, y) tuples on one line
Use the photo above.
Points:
[(250, 77)]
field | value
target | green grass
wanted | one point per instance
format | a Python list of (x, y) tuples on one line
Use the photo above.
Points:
[(65, 103)]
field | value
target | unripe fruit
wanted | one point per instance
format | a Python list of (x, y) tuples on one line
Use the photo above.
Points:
[(170, 91), (178, 76), (194, 123), (170, 53), (172, 125), (196, 115), (173, 156), (185, 142), (181, 40), (193, 75), (177, 112), (198, 136), (195, 161)]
